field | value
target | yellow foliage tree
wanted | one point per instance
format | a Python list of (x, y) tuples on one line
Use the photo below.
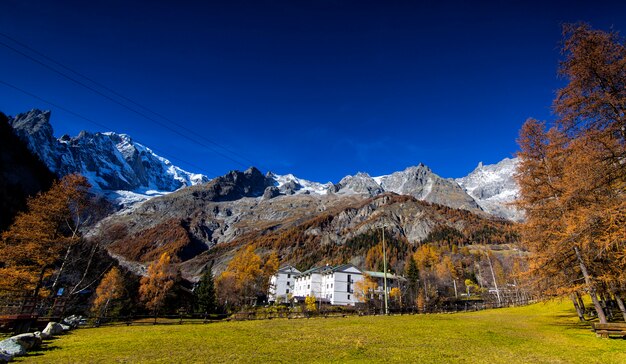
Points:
[(395, 294), (157, 283), (309, 302), (426, 256), (246, 277), (110, 288), (364, 289)]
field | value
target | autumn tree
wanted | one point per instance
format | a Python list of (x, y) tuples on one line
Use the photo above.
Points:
[(155, 286), (39, 240), (246, 278), (572, 177), (111, 288), (395, 295), (309, 303)]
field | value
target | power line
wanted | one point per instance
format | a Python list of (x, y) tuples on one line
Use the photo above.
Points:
[(124, 98), (97, 123)]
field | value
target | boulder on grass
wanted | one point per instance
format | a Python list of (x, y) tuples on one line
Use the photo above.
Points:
[(65, 327), (12, 347), (28, 340), (53, 328), (73, 321)]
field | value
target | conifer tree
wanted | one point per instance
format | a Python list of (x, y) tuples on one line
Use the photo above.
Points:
[(205, 292)]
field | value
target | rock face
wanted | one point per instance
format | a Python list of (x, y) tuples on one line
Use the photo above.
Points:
[(421, 183), (418, 181), (22, 174), (360, 183), (494, 188), (110, 161)]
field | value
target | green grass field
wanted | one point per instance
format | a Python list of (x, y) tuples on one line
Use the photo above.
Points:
[(540, 333)]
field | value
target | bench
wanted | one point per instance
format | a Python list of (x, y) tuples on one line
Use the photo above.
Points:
[(611, 328)]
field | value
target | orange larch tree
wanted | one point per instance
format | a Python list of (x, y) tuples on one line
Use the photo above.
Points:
[(111, 288), (34, 246), (573, 177), (155, 286)]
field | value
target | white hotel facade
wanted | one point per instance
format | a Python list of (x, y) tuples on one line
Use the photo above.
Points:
[(332, 285)]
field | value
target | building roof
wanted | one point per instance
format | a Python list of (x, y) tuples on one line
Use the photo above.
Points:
[(382, 275), (309, 271), (288, 269), (344, 267)]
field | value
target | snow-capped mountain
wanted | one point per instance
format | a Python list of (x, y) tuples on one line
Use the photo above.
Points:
[(417, 181), (113, 163), (128, 172), (494, 188), (289, 184)]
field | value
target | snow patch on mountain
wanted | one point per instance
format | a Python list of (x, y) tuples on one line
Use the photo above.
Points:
[(289, 184), (114, 164), (494, 188)]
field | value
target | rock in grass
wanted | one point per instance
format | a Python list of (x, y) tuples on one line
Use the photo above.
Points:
[(73, 321), (12, 347), (65, 327), (28, 340), (53, 328)]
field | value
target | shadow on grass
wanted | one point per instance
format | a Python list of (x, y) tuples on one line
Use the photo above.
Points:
[(45, 348)]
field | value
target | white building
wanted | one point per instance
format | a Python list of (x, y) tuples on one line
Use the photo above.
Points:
[(333, 285), (282, 284)]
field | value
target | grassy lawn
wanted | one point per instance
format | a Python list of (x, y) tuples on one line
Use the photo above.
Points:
[(541, 333)]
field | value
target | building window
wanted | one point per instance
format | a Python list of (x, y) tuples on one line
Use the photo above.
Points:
[(288, 275), (349, 281), (287, 283), (287, 291), (348, 296), (308, 286)]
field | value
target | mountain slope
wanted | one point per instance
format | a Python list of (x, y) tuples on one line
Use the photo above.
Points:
[(22, 174), (110, 161), (211, 221)]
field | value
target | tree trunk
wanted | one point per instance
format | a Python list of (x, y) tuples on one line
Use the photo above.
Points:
[(605, 304), (620, 302), (591, 287), (581, 302), (579, 311), (56, 279)]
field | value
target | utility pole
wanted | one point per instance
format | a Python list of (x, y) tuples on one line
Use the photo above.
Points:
[(385, 272)]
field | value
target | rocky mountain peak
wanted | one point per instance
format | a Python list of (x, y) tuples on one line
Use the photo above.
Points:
[(360, 183), (494, 188), (110, 161)]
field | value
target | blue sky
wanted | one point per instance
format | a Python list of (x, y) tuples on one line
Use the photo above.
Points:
[(320, 89)]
